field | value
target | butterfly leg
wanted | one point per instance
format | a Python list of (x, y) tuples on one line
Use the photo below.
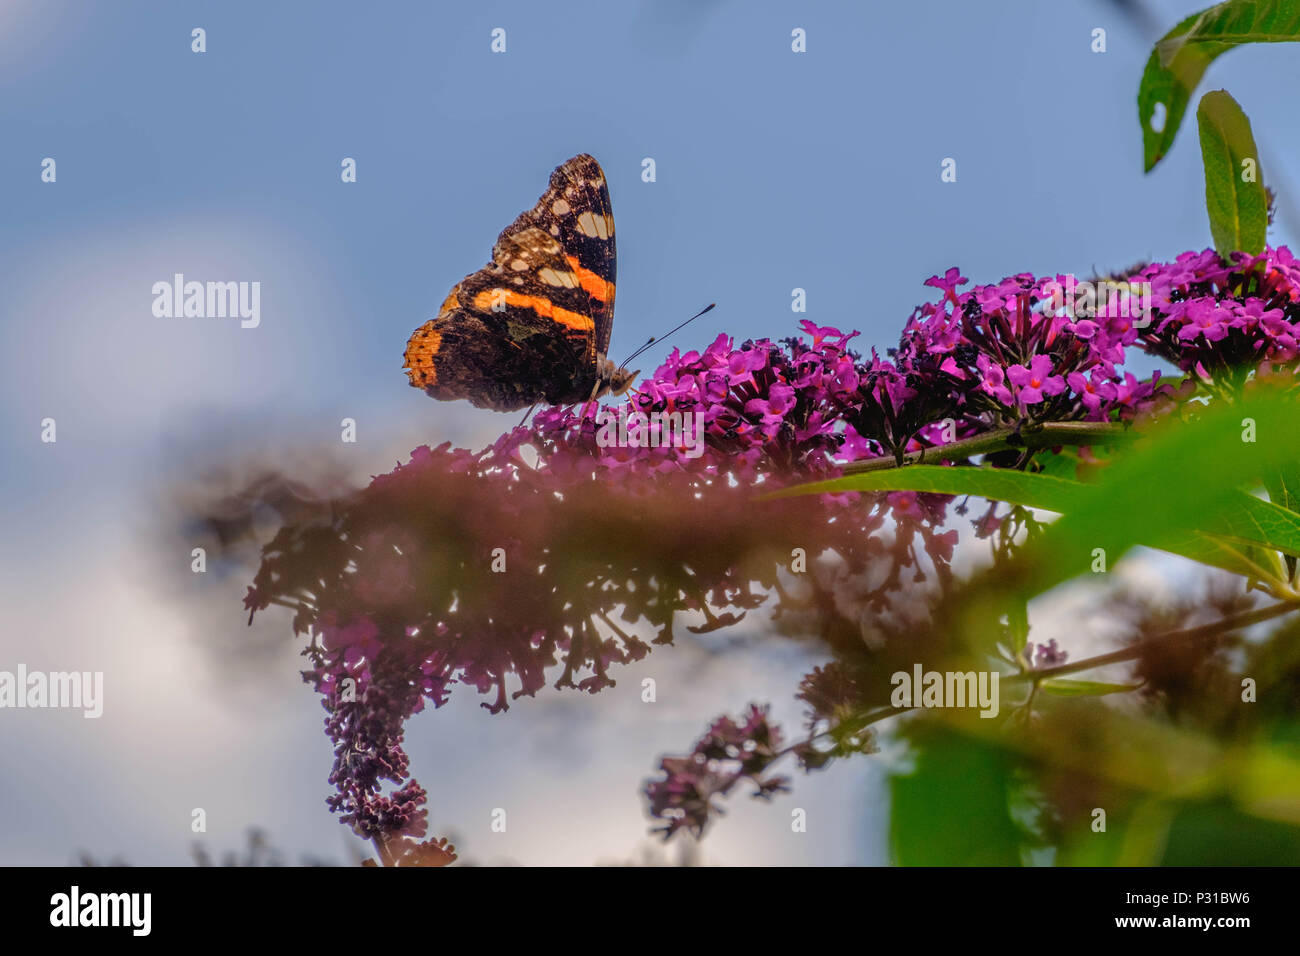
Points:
[(531, 409)]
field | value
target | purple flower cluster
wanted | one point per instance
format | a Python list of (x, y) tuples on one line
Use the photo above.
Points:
[(396, 589), (766, 410), (1012, 352), (1218, 321), (1046, 655), (726, 755)]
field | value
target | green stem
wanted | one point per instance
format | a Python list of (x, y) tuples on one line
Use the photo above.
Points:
[(1000, 439)]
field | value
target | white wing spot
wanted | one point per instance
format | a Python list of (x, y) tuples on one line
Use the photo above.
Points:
[(551, 277), (560, 207), (519, 265), (592, 227)]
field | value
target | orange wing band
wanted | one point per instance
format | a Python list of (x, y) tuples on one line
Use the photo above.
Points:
[(592, 284), (419, 357), (484, 301)]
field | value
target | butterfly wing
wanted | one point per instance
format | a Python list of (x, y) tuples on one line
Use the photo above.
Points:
[(575, 210), (510, 335), (530, 325)]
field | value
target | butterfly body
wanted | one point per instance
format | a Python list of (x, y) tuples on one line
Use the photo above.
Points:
[(533, 325)]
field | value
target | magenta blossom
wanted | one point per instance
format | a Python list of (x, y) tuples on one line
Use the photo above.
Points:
[(1092, 391), (1036, 382)]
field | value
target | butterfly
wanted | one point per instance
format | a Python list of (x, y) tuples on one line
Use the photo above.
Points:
[(533, 325)]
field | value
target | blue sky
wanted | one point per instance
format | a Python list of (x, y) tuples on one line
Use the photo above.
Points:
[(775, 170)]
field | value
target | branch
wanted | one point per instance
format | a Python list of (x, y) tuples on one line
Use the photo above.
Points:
[(1001, 439), (1232, 622)]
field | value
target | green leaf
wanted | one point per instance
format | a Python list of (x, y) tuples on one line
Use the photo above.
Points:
[(1283, 486), (1234, 192), (1252, 520), (1061, 687), (1186, 478), (996, 484), (1179, 489), (1243, 519), (1181, 57), (1220, 834), (1218, 553), (953, 809), (1058, 464)]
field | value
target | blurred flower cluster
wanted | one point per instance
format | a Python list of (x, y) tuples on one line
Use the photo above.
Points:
[(728, 754), (552, 551)]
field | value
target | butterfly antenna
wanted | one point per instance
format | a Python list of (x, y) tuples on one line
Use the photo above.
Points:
[(652, 340), (524, 420)]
